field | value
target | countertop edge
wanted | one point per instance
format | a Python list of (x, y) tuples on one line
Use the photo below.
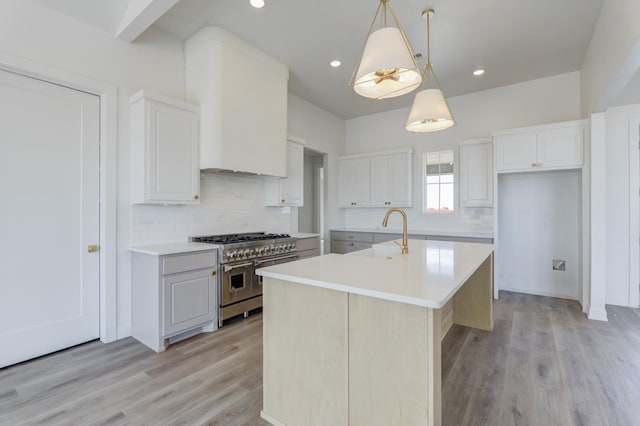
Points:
[(353, 290), (170, 248)]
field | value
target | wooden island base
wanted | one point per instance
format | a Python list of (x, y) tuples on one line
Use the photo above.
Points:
[(338, 358)]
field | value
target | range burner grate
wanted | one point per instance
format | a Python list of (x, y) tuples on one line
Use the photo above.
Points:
[(238, 238)]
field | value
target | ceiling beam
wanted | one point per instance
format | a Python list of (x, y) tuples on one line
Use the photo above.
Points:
[(140, 15)]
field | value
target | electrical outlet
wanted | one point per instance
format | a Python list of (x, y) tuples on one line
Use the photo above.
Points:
[(559, 265)]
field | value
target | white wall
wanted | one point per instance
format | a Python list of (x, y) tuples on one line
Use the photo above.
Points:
[(613, 55), (478, 114), (155, 62), (617, 202), (539, 222), (323, 132)]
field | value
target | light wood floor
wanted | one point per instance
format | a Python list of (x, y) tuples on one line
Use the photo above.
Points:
[(544, 364)]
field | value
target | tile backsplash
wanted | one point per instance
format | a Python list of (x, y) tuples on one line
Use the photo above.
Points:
[(473, 219), (229, 203)]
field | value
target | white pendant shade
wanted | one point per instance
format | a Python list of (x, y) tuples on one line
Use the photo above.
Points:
[(387, 68), (429, 112)]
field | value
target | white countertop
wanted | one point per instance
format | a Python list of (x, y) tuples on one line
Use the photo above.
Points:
[(302, 235), (438, 232), (172, 248), (429, 275)]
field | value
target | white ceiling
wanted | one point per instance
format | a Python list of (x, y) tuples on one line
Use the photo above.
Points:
[(514, 40)]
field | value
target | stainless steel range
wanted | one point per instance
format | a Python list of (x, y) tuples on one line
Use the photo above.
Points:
[(239, 255)]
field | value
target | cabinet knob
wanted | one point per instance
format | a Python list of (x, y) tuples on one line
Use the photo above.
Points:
[(93, 248), (214, 272), (196, 197), (282, 201), (350, 244)]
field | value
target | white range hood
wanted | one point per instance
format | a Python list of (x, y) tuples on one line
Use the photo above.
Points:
[(242, 93)]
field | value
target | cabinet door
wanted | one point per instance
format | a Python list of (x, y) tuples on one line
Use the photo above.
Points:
[(560, 147), (291, 187), (188, 300), (391, 180), (173, 172), (516, 152), (353, 181), (399, 175), (380, 185), (476, 175)]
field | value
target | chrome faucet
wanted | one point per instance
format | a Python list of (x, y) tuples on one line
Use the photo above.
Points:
[(405, 243)]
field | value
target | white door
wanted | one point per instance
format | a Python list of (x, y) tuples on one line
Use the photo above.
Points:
[(49, 215)]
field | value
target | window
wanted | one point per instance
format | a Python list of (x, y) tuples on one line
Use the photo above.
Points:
[(438, 182)]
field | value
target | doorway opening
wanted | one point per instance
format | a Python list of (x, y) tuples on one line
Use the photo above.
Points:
[(311, 216)]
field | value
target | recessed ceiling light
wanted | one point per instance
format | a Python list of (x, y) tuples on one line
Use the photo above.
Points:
[(257, 3), (335, 63), (478, 72)]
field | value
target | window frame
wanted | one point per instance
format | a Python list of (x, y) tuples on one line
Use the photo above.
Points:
[(456, 204)]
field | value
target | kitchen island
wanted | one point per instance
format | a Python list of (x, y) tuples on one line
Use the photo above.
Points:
[(355, 339)]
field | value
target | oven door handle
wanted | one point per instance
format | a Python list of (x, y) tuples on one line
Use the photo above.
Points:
[(228, 268), (260, 262)]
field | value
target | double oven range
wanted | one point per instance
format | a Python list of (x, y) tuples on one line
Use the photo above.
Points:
[(239, 256)]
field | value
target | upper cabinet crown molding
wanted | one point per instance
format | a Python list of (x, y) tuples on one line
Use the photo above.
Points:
[(164, 150), (243, 96), (547, 147)]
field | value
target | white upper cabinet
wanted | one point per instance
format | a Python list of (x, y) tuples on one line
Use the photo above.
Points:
[(476, 173), (516, 152), (164, 150), (380, 179), (391, 180), (243, 95), (354, 182), (560, 147), (288, 191), (554, 146)]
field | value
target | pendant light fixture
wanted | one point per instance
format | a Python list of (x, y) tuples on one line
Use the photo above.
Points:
[(430, 111), (387, 66)]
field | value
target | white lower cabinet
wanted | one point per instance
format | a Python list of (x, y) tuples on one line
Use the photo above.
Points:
[(188, 300), (173, 294), (476, 174), (548, 147), (308, 247)]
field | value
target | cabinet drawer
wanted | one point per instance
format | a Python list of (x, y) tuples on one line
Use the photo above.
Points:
[(382, 237), (308, 253), (365, 237), (343, 247), (308, 244), (188, 262)]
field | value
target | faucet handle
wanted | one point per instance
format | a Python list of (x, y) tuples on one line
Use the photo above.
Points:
[(399, 245)]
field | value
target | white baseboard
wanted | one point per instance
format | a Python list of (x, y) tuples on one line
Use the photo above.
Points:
[(123, 330), (540, 293)]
